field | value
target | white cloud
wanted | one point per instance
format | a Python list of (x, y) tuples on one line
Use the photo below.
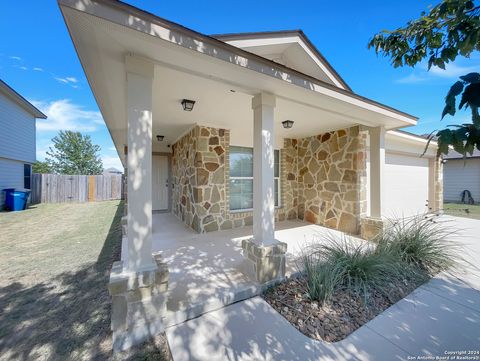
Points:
[(65, 115), (23, 67), (422, 74), (62, 80), (451, 71), (411, 79), (15, 57), (112, 162), (38, 69), (70, 80), (42, 147)]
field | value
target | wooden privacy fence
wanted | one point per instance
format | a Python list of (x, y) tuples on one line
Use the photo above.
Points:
[(58, 188)]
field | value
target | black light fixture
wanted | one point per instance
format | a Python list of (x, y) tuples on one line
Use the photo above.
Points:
[(287, 124), (188, 105), (160, 138)]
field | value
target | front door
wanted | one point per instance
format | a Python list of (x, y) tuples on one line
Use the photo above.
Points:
[(160, 182)]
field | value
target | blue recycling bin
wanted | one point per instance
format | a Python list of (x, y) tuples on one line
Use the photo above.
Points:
[(16, 200)]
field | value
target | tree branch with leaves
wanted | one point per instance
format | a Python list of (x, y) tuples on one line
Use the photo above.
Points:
[(74, 153), (450, 29)]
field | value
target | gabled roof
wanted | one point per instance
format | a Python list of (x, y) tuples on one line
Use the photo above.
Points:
[(310, 49), (21, 101), (171, 33), (455, 155)]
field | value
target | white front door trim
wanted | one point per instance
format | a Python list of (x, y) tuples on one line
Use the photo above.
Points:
[(160, 182)]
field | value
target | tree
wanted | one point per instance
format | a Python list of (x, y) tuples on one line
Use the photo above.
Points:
[(41, 167), (450, 29), (74, 153)]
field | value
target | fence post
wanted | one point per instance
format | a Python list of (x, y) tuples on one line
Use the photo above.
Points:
[(91, 188)]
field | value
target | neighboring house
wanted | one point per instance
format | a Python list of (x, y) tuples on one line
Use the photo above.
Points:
[(459, 174), (17, 139), (205, 128), (112, 171)]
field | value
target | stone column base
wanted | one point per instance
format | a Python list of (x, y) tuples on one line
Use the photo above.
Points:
[(371, 227), (264, 263), (139, 304)]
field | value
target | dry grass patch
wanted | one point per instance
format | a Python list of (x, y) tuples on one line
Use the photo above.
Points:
[(55, 261)]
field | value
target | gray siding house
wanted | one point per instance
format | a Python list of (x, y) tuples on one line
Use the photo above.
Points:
[(17, 139), (461, 174)]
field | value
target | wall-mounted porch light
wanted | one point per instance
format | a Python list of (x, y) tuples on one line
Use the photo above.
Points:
[(160, 138), (188, 105), (287, 124)]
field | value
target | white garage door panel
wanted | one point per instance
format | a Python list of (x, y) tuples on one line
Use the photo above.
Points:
[(406, 180)]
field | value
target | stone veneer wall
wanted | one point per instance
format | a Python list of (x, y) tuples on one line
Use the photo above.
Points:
[(331, 179), (322, 180), (200, 175)]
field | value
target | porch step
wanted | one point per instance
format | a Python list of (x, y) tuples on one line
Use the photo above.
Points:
[(222, 298)]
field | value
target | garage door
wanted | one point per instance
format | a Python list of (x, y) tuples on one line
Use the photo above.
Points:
[(406, 180)]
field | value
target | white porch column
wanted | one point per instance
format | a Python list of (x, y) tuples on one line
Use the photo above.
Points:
[(139, 111), (263, 162), (377, 170)]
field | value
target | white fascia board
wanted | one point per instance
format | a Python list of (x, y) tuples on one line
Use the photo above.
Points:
[(405, 143), (146, 23), (246, 43)]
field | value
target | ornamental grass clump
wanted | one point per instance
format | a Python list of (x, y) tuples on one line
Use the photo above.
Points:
[(421, 243), (348, 264)]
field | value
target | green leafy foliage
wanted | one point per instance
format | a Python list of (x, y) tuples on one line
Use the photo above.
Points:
[(421, 243), (41, 167), (408, 250), (449, 29), (464, 138), (344, 263), (74, 153)]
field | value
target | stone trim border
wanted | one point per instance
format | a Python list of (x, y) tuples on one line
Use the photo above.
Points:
[(139, 304)]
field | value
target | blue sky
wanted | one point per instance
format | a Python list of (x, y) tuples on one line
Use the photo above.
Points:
[(39, 61)]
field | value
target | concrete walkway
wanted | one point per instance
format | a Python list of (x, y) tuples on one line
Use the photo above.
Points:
[(206, 270), (441, 316)]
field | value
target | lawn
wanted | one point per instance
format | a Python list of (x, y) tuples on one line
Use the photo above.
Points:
[(462, 210), (54, 266)]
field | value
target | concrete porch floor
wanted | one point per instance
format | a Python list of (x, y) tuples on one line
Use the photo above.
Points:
[(206, 269)]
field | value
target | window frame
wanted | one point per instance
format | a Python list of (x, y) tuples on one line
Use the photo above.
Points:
[(276, 179), (27, 176)]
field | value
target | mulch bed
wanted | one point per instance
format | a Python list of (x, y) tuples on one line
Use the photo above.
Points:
[(335, 320)]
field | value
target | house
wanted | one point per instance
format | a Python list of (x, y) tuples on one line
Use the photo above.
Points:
[(17, 139), (227, 131), (461, 174), (112, 171)]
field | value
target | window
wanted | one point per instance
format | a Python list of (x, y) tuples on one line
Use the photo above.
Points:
[(27, 176), (241, 178)]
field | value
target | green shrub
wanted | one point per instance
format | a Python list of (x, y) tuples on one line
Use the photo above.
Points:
[(419, 242), (408, 251), (347, 263)]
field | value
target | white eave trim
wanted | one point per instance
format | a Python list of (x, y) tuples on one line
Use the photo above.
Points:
[(129, 16), (409, 137), (295, 39)]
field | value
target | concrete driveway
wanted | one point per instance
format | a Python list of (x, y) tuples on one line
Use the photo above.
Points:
[(440, 318)]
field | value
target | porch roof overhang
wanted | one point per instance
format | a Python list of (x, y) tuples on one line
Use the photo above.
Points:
[(220, 77)]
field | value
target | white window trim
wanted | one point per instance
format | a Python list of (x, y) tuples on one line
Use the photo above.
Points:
[(279, 182)]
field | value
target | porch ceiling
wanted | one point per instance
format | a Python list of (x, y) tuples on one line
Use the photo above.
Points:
[(189, 68)]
